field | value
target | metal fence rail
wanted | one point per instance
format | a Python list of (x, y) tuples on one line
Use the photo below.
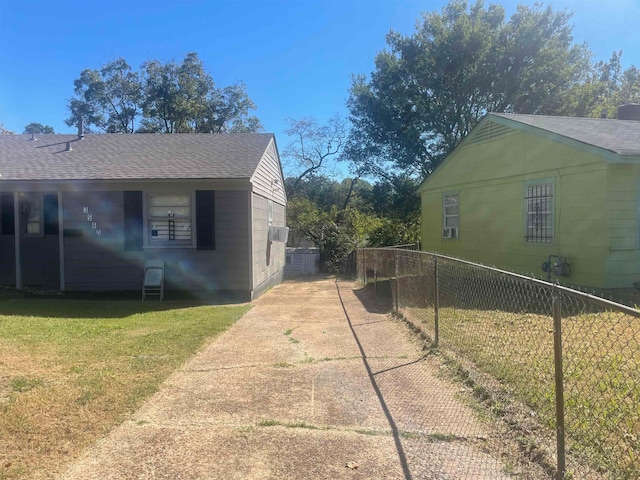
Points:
[(561, 365)]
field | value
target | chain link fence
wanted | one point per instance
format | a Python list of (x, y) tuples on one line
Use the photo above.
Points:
[(559, 366)]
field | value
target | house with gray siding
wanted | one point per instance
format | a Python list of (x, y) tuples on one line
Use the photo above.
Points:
[(84, 212)]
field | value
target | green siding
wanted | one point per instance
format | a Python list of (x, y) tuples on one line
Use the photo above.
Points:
[(491, 177), (622, 267)]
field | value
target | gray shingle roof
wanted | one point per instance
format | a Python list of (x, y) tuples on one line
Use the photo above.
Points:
[(139, 156), (618, 136)]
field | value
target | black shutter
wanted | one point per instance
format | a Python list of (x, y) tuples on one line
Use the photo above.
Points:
[(7, 213), (205, 220), (133, 220), (50, 213)]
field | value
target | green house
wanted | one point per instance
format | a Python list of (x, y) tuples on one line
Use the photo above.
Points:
[(521, 191)]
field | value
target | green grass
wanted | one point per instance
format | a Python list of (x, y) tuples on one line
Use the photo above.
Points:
[(601, 375), (70, 370), (277, 423), (291, 338), (24, 384)]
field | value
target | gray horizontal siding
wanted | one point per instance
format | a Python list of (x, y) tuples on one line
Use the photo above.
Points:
[(95, 262), (268, 259), (267, 180)]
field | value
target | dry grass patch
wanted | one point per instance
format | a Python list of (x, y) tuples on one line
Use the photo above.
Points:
[(71, 370)]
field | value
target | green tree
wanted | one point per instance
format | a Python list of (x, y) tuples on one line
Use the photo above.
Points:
[(227, 110), (383, 214), (429, 89), (38, 128), (397, 203), (161, 98), (338, 216), (608, 87), (629, 91), (108, 99), (174, 94), (327, 193), (335, 231), (183, 98), (395, 199)]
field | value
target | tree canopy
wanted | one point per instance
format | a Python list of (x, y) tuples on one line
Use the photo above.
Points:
[(38, 128), (605, 88), (427, 91), (430, 88), (159, 98)]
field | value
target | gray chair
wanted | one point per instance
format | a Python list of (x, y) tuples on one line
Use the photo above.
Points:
[(153, 283)]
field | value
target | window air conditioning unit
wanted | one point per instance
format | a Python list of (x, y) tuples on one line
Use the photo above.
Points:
[(278, 234), (450, 232)]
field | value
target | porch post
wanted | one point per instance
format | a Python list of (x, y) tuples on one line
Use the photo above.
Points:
[(16, 236), (61, 241)]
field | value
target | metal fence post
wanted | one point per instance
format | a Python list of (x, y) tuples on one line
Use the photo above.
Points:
[(435, 302), (364, 267), (397, 279), (375, 270), (557, 354)]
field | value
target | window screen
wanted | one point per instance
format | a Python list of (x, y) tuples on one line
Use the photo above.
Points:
[(169, 218)]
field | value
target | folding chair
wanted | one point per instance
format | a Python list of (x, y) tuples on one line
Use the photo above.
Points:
[(153, 283)]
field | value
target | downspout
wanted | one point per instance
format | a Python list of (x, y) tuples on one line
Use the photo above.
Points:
[(251, 279), (16, 221), (61, 241)]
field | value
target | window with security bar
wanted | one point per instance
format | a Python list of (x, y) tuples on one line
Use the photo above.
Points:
[(539, 212), (169, 219)]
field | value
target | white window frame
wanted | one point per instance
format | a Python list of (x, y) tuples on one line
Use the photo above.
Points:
[(151, 240), (539, 194), (447, 216)]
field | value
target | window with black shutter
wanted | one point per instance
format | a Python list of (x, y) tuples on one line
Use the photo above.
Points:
[(133, 220), (7, 222), (205, 220), (50, 213)]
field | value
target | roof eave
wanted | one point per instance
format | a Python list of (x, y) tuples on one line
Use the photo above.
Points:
[(58, 181), (609, 156)]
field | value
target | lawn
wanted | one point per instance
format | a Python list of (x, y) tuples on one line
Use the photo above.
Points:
[(70, 370), (601, 380), (500, 328)]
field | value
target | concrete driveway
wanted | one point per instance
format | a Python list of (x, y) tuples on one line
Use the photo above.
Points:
[(311, 383)]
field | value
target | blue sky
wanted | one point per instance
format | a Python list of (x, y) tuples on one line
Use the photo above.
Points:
[(295, 57)]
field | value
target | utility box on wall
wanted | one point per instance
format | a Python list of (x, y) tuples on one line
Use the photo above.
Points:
[(302, 261)]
